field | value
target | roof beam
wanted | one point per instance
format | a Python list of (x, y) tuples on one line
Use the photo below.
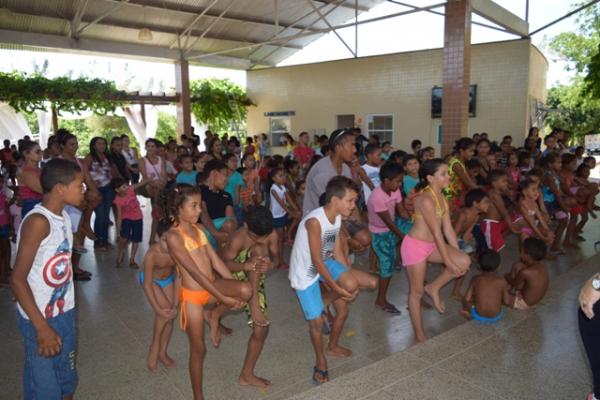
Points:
[(158, 29), (324, 19), (100, 17), (76, 21), (95, 46), (193, 10), (343, 5), (188, 30), (501, 16)]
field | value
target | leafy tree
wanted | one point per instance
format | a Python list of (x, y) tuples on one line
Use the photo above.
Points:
[(167, 127), (578, 103), (219, 103)]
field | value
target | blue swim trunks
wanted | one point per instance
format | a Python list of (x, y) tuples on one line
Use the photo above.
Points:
[(310, 298), (384, 244), (218, 223), (163, 283), (404, 225), (486, 320)]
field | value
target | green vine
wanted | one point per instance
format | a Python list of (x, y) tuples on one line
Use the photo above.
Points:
[(33, 92), (214, 103)]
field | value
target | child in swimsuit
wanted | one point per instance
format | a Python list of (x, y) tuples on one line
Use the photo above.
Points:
[(582, 175), (467, 229), (162, 296), (487, 291), (198, 266), (535, 225), (251, 251), (426, 242), (529, 278), (460, 181)]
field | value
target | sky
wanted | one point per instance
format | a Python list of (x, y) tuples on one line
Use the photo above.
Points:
[(412, 32)]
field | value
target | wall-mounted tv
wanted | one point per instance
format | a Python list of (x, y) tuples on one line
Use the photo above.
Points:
[(436, 101)]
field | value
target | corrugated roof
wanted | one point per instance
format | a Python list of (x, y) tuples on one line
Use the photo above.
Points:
[(193, 29)]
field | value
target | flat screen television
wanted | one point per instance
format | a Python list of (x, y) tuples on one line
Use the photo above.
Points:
[(436, 101)]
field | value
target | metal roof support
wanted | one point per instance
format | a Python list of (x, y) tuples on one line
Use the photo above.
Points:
[(191, 10), (292, 25), (355, 28), (74, 26), (361, 8), (567, 15), (188, 48), (319, 31), (322, 17), (442, 14), (100, 18), (187, 31), (290, 38)]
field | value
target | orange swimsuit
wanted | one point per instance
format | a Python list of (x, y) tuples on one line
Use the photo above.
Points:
[(197, 297)]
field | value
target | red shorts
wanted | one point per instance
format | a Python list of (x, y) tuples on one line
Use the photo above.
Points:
[(493, 232)]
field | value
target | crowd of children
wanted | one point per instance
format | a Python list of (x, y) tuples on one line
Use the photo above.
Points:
[(222, 219)]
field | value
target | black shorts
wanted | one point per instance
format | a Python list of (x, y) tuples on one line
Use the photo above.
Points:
[(132, 230)]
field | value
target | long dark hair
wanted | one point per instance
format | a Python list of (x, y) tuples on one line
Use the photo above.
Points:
[(173, 199), (93, 151), (428, 167)]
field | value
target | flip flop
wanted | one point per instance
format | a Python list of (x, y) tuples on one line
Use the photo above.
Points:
[(390, 308), (324, 375), (261, 324)]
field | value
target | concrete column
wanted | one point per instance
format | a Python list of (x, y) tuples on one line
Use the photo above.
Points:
[(182, 86), (456, 73)]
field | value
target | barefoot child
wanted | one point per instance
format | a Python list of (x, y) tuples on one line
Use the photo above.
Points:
[(317, 256), (426, 242), (162, 296), (281, 207), (218, 216), (251, 251), (535, 224), (498, 219), (385, 202), (129, 218), (42, 283), (477, 203), (529, 277), (198, 266), (487, 291)]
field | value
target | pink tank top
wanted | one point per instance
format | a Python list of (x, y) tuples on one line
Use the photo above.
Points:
[(25, 191), (153, 171)]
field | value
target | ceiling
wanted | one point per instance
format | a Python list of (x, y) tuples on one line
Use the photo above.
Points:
[(229, 33)]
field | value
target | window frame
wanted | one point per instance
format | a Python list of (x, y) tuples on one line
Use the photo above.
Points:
[(279, 133), (382, 138)]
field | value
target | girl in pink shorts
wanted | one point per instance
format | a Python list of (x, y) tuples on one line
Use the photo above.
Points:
[(425, 243)]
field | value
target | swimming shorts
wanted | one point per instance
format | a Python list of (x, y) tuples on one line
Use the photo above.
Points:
[(520, 303), (196, 297), (242, 257), (486, 320), (555, 210), (404, 225), (415, 251), (493, 232), (384, 245), (310, 298), (218, 223), (163, 283)]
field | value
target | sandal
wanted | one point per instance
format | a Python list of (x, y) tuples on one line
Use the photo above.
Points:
[(323, 374), (79, 250), (133, 265), (81, 277), (390, 308)]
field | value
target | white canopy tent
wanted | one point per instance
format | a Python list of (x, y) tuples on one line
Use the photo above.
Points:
[(12, 124)]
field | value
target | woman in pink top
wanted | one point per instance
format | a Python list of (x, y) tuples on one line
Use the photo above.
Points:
[(154, 171), (29, 174)]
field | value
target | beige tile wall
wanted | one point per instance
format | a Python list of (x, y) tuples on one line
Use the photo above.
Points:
[(401, 84)]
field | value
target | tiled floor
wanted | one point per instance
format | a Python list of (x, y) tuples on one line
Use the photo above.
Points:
[(529, 355)]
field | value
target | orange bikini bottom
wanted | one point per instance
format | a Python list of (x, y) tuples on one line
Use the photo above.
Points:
[(197, 297)]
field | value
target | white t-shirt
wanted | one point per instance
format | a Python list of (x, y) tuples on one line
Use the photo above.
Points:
[(316, 181), (51, 274), (276, 208), (303, 272), (373, 175)]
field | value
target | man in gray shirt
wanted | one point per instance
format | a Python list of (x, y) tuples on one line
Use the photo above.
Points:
[(342, 143)]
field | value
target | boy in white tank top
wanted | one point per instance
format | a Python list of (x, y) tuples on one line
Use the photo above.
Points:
[(42, 282), (318, 257)]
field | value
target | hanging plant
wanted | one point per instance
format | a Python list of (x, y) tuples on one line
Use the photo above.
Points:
[(32, 92), (219, 102)]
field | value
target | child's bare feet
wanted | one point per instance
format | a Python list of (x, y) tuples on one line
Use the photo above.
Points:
[(435, 296), (152, 360), (133, 264), (119, 261), (259, 319), (225, 331), (215, 332), (338, 351), (166, 360), (420, 339), (253, 380), (465, 314), (456, 295)]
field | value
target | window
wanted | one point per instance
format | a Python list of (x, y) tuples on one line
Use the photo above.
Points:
[(381, 125), (278, 127)]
